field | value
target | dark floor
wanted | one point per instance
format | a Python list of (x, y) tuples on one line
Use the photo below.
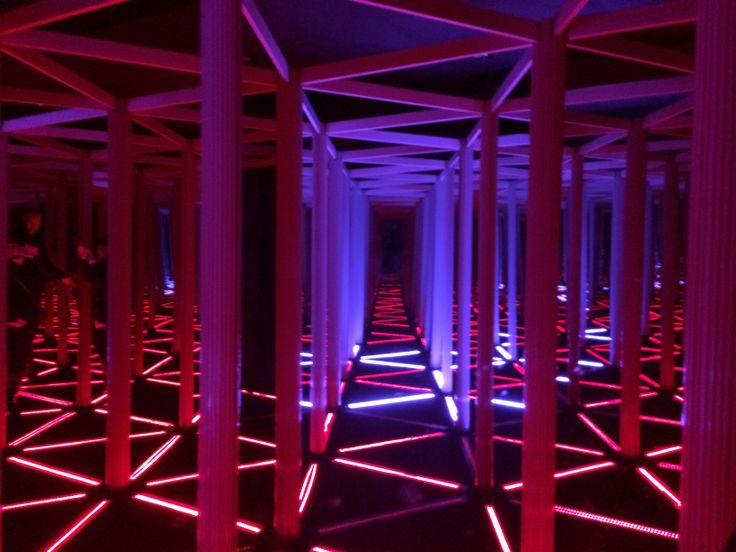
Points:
[(395, 477)]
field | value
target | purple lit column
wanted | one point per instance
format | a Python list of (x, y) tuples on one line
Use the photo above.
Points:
[(119, 295), (487, 292), (288, 310), (708, 486), (648, 260), (464, 282), (220, 267), (512, 251), (185, 197), (333, 279), (614, 271), (670, 273), (4, 185), (540, 300), (632, 259), (320, 222), (574, 264), (84, 287)]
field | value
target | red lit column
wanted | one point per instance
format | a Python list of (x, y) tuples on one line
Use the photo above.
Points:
[(4, 185), (648, 260), (140, 251), (540, 300), (708, 486), (670, 272), (333, 279), (119, 295), (288, 310), (220, 275), (574, 264), (62, 258), (632, 259), (512, 252), (84, 287), (318, 318), (185, 197), (615, 266), (463, 283), (487, 311)]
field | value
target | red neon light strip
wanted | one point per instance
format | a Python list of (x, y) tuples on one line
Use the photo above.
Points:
[(192, 476), (257, 441), (663, 451), (498, 529), (43, 398), (64, 474), (155, 457), (307, 487), (660, 420), (616, 522), (566, 473), (660, 486), (392, 442), (157, 365), (599, 432), (41, 502), (78, 526), (37, 412), (41, 429), (380, 469), (668, 466), (68, 444)]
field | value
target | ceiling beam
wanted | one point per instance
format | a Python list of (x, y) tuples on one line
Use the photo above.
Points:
[(48, 11), (423, 117), (404, 138), (42, 97), (567, 12), (260, 28), (638, 52), (61, 74), (412, 57), (364, 155), (518, 72), (672, 12), (673, 110), (50, 118), (462, 15)]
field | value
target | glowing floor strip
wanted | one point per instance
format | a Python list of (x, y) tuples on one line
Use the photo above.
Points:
[(67, 444), (498, 529), (511, 404), (567, 473), (42, 502), (306, 489), (599, 432), (64, 474), (660, 486), (392, 400), (378, 444), (380, 469), (616, 522), (393, 364), (662, 451), (155, 457), (41, 429), (391, 355), (77, 527)]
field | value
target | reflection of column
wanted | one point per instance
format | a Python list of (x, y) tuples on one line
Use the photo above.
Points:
[(288, 311), (185, 197), (84, 287), (512, 252), (708, 517), (670, 273), (631, 286), (4, 185), (140, 252), (62, 258), (320, 216), (487, 298), (464, 281), (648, 267), (220, 275), (540, 298), (119, 294), (574, 263), (614, 271), (333, 279)]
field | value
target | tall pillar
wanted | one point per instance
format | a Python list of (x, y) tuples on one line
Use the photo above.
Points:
[(320, 263), (648, 260), (62, 258), (574, 265), (333, 279), (631, 286), (618, 223), (4, 186), (220, 267), (140, 252), (185, 197), (708, 518), (487, 297), (288, 310), (119, 294), (84, 288), (540, 299), (464, 282), (512, 281), (670, 273)]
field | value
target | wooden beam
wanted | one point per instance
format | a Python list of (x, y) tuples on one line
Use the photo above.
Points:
[(48, 11), (462, 15)]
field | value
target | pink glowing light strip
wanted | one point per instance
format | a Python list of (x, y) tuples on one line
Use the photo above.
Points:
[(498, 529), (668, 466), (47, 372), (567, 473), (43, 398), (380, 469), (328, 422), (257, 441), (64, 474), (307, 485), (662, 451), (660, 486), (67, 444), (42, 502), (158, 365), (392, 442), (657, 420), (140, 419), (193, 476), (599, 432), (155, 457), (616, 522), (42, 428), (78, 526), (43, 411)]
